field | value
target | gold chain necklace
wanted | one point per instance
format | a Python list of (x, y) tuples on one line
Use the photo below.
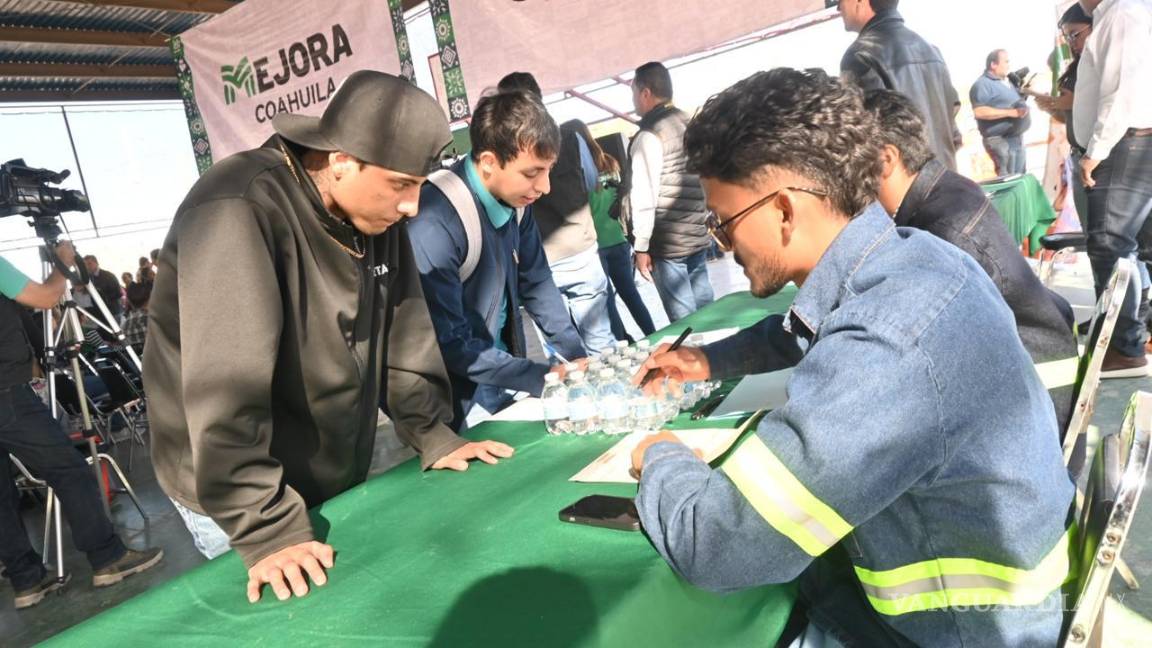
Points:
[(292, 167)]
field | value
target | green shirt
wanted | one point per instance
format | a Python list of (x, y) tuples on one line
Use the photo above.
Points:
[(608, 230), (12, 281), (499, 214)]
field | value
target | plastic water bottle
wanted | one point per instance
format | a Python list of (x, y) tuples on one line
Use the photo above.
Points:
[(581, 405), (613, 404), (645, 411), (569, 369), (555, 402)]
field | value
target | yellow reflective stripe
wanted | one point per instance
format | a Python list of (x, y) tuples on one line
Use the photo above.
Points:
[(978, 597), (1058, 373), (948, 582), (782, 500)]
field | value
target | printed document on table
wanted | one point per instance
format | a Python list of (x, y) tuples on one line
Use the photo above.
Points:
[(767, 391), (614, 466), (706, 337), (525, 409)]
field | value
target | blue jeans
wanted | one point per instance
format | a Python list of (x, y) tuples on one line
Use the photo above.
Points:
[(1007, 154), (682, 284), (581, 281), (28, 432), (617, 263), (208, 537), (1118, 206)]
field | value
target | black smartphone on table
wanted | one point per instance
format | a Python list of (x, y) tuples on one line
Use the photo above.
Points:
[(603, 511)]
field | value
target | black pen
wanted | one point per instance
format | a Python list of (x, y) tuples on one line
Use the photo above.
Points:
[(707, 408), (675, 345)]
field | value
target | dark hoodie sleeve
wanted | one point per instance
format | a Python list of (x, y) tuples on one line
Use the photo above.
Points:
[(419, 394), (230, 325)]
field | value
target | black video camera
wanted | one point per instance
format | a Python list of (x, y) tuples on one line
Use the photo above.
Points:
[(24, 191), (1019, 78)]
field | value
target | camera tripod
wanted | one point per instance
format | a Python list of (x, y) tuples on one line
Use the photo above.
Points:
[(68, 337)]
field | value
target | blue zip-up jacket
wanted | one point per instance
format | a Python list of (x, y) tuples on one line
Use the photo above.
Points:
[(466, 315), (917, 435)]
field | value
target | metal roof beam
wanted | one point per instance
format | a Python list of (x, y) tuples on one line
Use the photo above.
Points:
[(81, 37), (187, 6), (54, 96), (82, 71)]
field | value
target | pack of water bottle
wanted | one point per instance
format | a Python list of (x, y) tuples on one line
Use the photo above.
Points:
[(602, 397)]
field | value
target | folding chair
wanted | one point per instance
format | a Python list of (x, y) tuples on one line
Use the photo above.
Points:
[(51, 516), (1088, 372), (69, 400), (1057, 247), (1115, 484)]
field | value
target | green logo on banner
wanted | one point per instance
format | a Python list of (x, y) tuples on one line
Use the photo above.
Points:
[(237, 76)]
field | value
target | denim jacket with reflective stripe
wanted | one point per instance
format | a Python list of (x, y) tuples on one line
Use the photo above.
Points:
[(916, 431)]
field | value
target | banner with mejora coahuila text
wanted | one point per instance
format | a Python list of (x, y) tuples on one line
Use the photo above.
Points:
[(266, 57)]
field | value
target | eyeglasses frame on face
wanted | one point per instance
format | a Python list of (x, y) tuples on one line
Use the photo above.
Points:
[(718, 228), (1071, 36)]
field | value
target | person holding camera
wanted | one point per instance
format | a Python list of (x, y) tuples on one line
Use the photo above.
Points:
[(1001, 114), (29, 433)]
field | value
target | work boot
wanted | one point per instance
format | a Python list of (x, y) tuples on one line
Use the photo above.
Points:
[(1118, 365), (132, 562), (26, 598)]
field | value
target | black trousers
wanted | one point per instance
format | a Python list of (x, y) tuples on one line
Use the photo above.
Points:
[(28, 432)]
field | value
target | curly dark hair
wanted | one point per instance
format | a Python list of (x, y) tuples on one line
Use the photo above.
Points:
[(803, 121), (901, 126), (509, 122)]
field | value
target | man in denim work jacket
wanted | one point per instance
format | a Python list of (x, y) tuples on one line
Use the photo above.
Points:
[(910, 406)]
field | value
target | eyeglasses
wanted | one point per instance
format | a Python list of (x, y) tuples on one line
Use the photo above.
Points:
[(1071, 36), (719, 229)]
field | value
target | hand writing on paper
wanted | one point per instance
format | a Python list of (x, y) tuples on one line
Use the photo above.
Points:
[(646, 442), (485, 451), (285, 569), (682, 365)]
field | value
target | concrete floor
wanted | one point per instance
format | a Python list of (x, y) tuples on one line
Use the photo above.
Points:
[(1128, 614)]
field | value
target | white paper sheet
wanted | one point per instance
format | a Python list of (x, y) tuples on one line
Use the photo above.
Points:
[(756, 392), (706, 337), (525, 409), (614, 466)]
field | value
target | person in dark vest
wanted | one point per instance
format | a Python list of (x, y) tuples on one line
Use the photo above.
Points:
[(29, 433), (564, 217), (918, 191), (666, 201)]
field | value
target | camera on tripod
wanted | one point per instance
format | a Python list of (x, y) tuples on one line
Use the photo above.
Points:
[(25, 191)]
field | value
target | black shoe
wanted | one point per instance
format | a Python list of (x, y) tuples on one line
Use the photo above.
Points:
[(26, 598), (132, 562)]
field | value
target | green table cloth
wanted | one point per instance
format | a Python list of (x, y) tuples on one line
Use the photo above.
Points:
[(1024, 207), (476, 558)]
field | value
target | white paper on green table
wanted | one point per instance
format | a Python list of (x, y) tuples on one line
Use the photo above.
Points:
[(766, 391), (614, 466), (525, 409), (706, 337)]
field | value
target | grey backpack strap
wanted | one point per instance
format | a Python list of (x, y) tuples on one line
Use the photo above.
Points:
[(461, 198)]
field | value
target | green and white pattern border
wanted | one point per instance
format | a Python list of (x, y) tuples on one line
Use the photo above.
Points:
[(403, 46), (201, 148), (449, 60)]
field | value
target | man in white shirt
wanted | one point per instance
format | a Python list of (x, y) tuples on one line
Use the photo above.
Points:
[(1112, 117), (668, 212)]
